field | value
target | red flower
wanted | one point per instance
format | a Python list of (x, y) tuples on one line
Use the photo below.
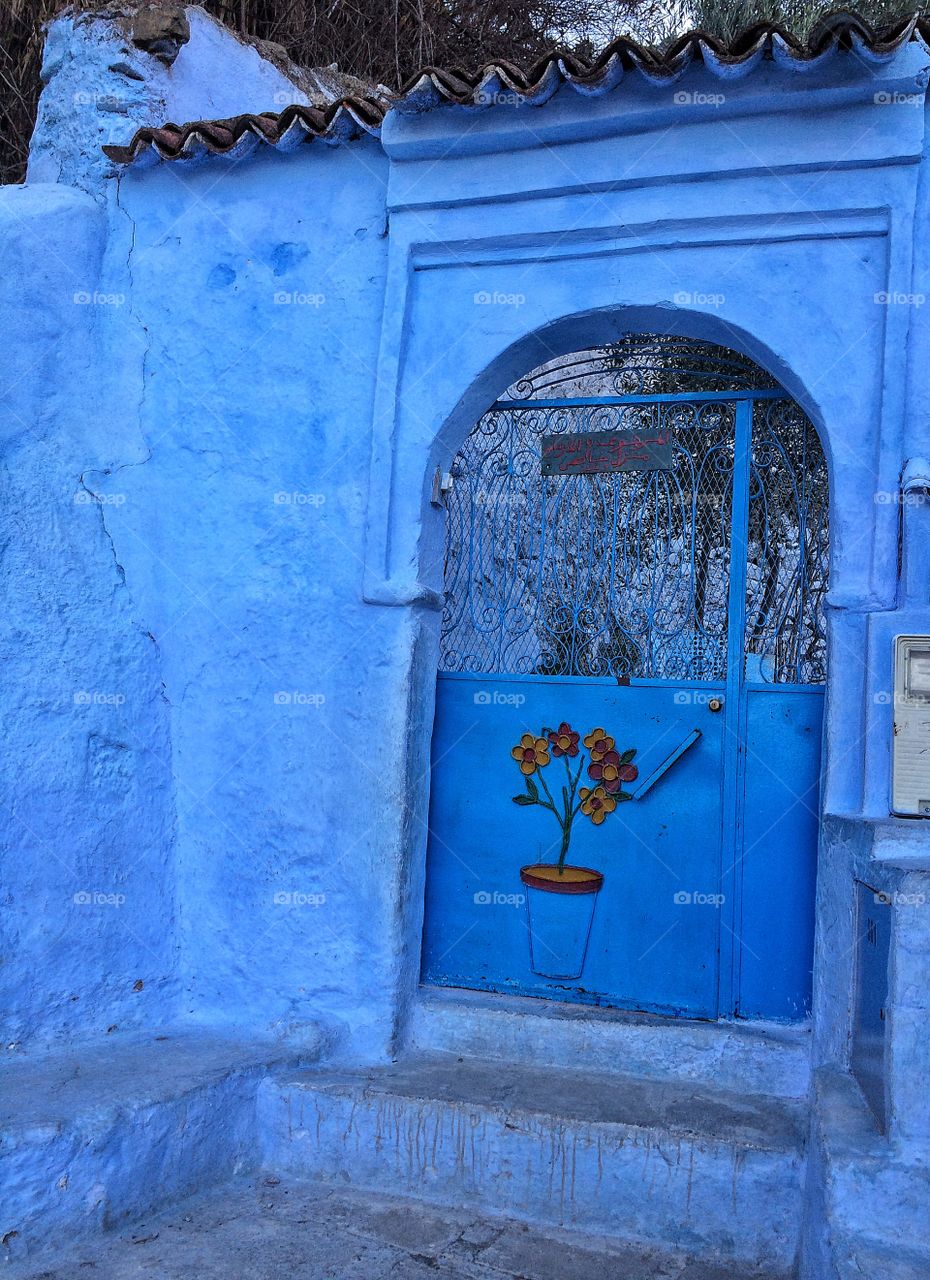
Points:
[(564, 740), (609, 772), (606, 771)]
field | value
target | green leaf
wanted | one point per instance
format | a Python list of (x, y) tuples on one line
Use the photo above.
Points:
[(523, 800), (628, 756), (532, 788), (624, 795)]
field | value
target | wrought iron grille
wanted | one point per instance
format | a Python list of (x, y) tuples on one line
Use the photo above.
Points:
[(627, 574), (643, 364), (788, 551)]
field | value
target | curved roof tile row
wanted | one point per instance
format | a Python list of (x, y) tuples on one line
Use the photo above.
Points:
[(502, 82)]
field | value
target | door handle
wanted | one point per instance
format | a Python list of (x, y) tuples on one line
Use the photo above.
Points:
[(655, 761)]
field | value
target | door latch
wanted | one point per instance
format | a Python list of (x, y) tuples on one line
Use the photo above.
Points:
[(442, 487), (715, 704)]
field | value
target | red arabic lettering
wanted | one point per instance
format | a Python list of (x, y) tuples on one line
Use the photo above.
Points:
[(610, 452)]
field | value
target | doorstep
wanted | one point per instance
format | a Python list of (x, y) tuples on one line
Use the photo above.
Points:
[(641, 1160), (747, 1057)]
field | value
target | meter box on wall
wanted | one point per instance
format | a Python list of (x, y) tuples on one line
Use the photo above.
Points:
[(910, 752)]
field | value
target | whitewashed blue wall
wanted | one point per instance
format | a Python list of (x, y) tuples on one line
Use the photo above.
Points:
[(299, 340)]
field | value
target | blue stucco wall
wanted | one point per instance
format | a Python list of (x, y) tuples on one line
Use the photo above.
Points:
[(249, 367), (225, 385), (300, 341), (87, 822)]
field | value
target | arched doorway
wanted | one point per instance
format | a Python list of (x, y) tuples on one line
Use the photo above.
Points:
[(633, 651)]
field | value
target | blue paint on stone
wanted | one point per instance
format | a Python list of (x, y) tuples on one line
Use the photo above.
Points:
[(222, 569), (287, 256), (221, 276)]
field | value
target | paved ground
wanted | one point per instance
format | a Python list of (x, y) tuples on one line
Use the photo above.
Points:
[(284, 1230)]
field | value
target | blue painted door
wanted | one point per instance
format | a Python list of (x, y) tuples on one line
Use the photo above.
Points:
[(653, 942), (677, 613), (775, 912)]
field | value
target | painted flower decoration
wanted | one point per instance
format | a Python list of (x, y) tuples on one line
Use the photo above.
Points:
[(599, 743), (596, 803), (607, 768), (531, 753), (612, 769), (564, 740)]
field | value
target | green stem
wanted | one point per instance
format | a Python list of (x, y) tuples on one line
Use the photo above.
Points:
[(568, 800), (577, 777), (549, 803), (566, 837), (569, 809), (572, 810), (545, 788)]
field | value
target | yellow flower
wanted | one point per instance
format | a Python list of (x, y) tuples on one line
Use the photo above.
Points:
[(531, 753), (598, 743), (596, 804)]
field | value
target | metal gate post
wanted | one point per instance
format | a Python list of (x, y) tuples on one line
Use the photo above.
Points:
[(735, 710)]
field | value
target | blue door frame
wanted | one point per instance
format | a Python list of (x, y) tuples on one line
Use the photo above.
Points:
[(734, 755), (755, 952)]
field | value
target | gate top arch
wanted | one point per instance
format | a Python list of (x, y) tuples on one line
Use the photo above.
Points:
[(632, 573)]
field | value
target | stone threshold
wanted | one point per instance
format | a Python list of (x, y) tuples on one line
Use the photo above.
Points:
[(873, 1200), (748, 1057)]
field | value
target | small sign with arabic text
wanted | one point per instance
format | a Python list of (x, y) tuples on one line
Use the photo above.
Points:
[(626, 449)]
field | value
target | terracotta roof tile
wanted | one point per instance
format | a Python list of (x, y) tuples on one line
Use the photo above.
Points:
[(340, 122), (502, 82)]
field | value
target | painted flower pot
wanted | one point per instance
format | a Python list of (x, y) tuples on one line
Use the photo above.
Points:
[(560, 910)]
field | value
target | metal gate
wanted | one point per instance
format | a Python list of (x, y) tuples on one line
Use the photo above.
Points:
[(668, 617)]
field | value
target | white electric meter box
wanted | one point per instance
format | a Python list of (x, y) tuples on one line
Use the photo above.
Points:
[(910, 749)]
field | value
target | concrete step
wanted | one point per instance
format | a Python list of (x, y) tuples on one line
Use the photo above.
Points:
[(856, 1259), (742, 1056), (875, 1206), (646, 1161), (95, 1133), (282, 1229)]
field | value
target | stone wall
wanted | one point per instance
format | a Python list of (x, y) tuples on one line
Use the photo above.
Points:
[(88, 815), (249, 368), (276, 354)]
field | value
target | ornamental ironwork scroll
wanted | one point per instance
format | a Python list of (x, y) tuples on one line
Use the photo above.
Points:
[(626, 573)]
